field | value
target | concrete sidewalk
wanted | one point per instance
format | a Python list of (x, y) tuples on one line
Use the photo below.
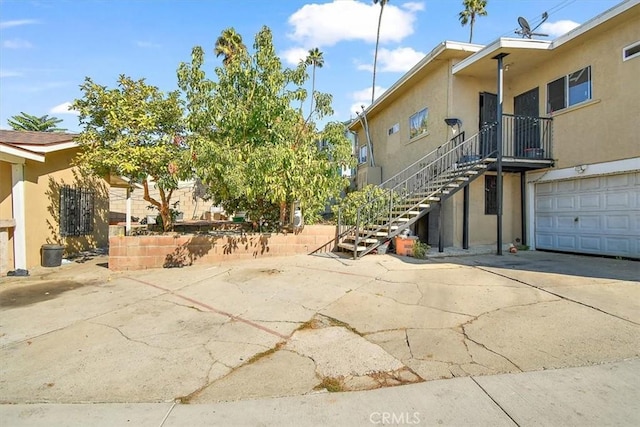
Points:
[(602, 395)]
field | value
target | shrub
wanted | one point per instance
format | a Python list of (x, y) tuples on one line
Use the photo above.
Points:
[(420, 249), (373, 201)]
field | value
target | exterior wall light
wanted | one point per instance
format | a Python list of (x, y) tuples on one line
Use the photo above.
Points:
[(451, 122)]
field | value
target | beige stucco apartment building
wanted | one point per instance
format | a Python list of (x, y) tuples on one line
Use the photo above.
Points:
[(570, 133), (44, 199)]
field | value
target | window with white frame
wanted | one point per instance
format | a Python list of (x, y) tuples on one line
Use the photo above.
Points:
[(569, 90), (362, 155), (418, 123), (631, 51)]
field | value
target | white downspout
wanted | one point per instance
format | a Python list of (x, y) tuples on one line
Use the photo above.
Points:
[(18, 202), (128, 215)]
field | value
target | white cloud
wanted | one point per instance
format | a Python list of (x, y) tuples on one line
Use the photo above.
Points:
[(555, 29), (397, 60), (413, 6), (16, 23), (64, 108), (9, 73), (147, 45), (342, 20), (16, 44), (363, 98), (294, 55)]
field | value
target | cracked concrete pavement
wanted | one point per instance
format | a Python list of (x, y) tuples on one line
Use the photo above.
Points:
[(306, 324)]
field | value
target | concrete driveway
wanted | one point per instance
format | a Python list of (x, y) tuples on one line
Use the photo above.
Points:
[(306, 324)]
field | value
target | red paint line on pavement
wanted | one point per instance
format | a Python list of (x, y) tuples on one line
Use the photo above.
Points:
[(213, 309), (338, 272)]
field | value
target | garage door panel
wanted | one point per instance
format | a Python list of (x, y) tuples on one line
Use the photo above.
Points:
[(614, 244), (564, 223), (545, 188), (544, 204), (588, 184), (624, 180), (566, 242), (590, 243), (618, 200), (566, 202), (565, 187), (544, 240), (619, 223), (589, 223), (590, 201), (596, 215), (545, 223)]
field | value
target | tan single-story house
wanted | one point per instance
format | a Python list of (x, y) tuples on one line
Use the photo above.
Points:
[(527, 141), (45, 199)]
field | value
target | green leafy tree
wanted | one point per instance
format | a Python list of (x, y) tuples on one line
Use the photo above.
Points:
[(368, 204), (253, 150), (134, 131), (316, 60), (472, 9), (27, 122), (382, 3), (230, 46)]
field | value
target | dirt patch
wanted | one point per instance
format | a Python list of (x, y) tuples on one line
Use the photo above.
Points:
[(27, 295)]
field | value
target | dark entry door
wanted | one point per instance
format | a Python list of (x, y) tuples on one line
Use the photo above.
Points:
[(526, 129), (488, 118)]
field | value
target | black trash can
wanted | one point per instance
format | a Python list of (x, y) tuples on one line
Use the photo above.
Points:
[(52, 255)]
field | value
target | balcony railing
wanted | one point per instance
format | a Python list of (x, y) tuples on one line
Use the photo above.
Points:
[(527, 137)]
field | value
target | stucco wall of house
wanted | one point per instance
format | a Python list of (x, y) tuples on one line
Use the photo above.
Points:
[(465, 100), (482, 227), (395, 152), (606, 128), (42, 201), (5, 190)]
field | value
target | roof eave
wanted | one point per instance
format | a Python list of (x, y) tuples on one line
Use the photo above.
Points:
[(503, 44), (437, 51), (18, 155), (500, 46), (47, 148), (594, 22)]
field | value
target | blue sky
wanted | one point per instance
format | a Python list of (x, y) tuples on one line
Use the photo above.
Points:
[(48, 47)]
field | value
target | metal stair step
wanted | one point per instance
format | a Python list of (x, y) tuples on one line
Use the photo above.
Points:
[(406, 212), (368, 240), (401, 219), (352, 247)]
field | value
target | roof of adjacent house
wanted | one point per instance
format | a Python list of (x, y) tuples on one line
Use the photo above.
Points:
[(38, 142), (34, 138)]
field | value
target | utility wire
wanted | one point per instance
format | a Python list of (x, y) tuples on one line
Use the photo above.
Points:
[(538, 19)]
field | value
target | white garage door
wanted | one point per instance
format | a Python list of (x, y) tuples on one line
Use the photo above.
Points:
[(593, 215)]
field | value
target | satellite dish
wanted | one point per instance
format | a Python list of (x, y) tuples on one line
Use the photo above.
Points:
[(525, 29)]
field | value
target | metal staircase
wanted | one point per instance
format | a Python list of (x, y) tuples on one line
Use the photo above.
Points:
[(412, 193)]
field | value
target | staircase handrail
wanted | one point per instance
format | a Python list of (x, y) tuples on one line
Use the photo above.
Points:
[(432, 153), (426, 177)]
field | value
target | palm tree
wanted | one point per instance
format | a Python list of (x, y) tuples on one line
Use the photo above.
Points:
[(375, 56), (27, 122), (315, 59), (230, 45), (472, 8)]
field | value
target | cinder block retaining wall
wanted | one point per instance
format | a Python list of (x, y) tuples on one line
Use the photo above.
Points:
[(177, 250)]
